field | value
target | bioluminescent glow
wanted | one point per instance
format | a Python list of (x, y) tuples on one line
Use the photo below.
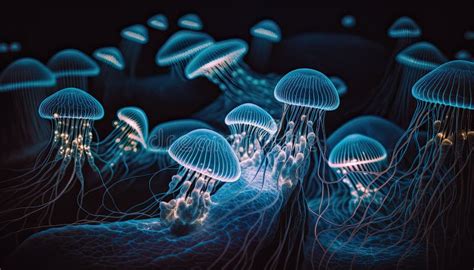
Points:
[(158, 22), (191, 22), (404, 27), (110, 56), (348, 21), (341, 86)]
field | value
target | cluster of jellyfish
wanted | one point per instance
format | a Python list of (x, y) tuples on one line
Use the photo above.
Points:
[(272, 189)]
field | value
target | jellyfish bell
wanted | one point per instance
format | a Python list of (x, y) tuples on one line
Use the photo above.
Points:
[(180, 48), (133, 39), (205, 157), (340, 85), (403, 28), (23, 85), (348, 21), (190, 21), (264, 35), (135, 33), (72, 68), (3, 47), (111, 57), (15, 47), (463, 55), (251, 129), (158, 22), (421, 55)]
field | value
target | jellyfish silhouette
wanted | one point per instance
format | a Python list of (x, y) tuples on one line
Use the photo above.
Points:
[(123, 147), (111, 57), (348, 21), (163, 135), (205, 157), (15, 47), (221, 64), (340, 85), (72, 68), (133, 38), (59, 168), (158, 22), (191, 22), (251, 129), (180, 48), (405, 30), (3, 47), (265, 34), (23, 85)]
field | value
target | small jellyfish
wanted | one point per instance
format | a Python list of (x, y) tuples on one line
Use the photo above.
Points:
[(222, 64), (251, 129), (180, 48), (111, 57), (204, 157), (158, 22), (163, 135), (72, 68), (358, 160), (463, 55), (133, 38), (24, 84), (191, 22), (264, 35), (403, 28), (4, 47), (128, 140), (15, 47), (348, 21), (59, 168), (340, 85), (306, 94)]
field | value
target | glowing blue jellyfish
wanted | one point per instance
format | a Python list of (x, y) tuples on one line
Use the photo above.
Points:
[(251, 129), (358, 160), (123, 145), (110, 56), (340, 85), (180, 48), (265, 34), (23, 85), (163, 135), (133, 38), (306, 94), (158, 22), (463, 55), (15, 47), (404, 27), (205, 157), (191, 22), (348, 21), (222, 64), (60, 167), (72, 68), (3, 47)]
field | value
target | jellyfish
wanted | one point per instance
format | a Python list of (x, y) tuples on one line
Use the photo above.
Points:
[(3, 47), (158, 22), (340, 85), (264, 35), (405, 31), (463, 55), (72, 68), (251, 129), (133, 38), (163, 135), (59, 168), (348, 21), (110, 57), (15, 47), (469, 35), (123, 147), (180, 48), (190, 21), (23, 85), (204, 158), (221, 64)]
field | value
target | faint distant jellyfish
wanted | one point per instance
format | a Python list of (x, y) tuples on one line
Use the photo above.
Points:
[(348, 21), (469, 35), (463, 55), (205, 158), (405, 31), (133, 38), (72, 68), (3, 47), (251, 129), (191, 22), (15, 47), (163, 135), (265, 34), (129, 137), (306, 94), (180, 48), (110, 56), (340, 85), (23, 85), (359, 161), (158, 22)]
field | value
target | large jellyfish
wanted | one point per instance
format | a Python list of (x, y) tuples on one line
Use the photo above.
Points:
[(59, 169), (205, 157), (251, 129), (163, 135), (265, 34), (23, 85), (190, 21), (72, 68), (180, 48), (133, 38)]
